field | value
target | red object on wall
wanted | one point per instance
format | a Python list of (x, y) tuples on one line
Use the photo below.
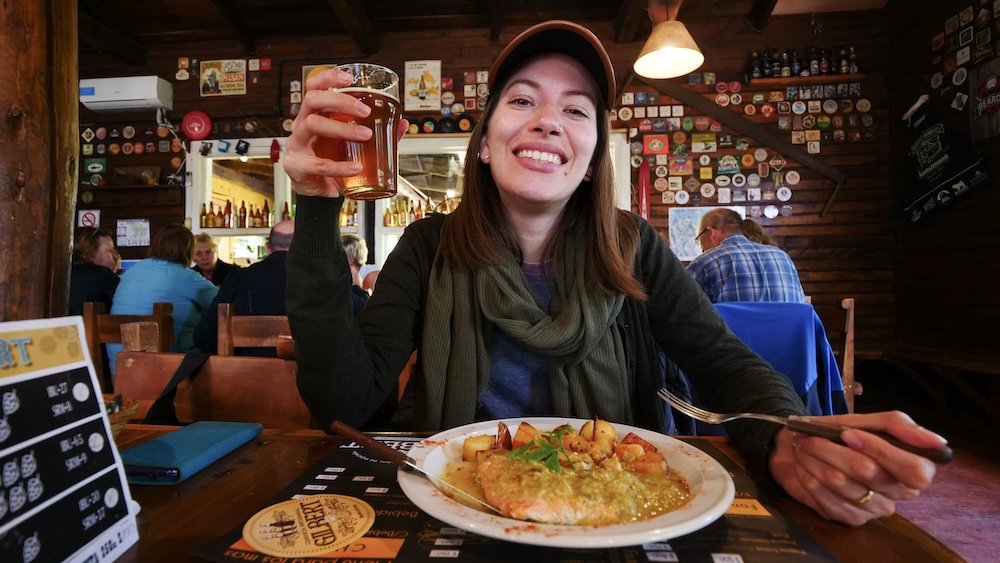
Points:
[(275, 150), (643, 189), (196, 125)]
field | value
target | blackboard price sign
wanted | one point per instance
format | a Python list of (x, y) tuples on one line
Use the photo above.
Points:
[(63, 494)]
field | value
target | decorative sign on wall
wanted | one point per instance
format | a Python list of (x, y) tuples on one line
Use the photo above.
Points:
[(422, 90), (132, 232), (941, 164), (225, 77)]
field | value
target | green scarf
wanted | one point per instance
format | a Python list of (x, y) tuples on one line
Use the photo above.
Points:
[(585, 352)]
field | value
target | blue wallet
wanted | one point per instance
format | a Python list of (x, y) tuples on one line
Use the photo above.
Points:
[(175, 456)]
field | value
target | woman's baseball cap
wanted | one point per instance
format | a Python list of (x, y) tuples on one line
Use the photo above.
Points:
[(558, 36)]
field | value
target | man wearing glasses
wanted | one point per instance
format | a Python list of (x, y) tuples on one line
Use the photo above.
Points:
[(732, 267)]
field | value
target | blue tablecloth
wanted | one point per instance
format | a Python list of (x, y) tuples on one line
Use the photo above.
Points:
[(791, 337)]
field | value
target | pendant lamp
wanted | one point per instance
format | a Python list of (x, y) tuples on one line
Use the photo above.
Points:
[(670, 50)]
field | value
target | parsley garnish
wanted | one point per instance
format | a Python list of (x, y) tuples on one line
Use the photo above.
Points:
[(544, 451)]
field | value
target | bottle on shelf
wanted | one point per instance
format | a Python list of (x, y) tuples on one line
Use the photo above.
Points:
[(796, 69), (220, 220), (765, 64), (227, 216), (420, 210), (755, 71), (243, 215), (411, 214), (387, 218), (266, 215), (843, 67), (285, 215), (210, 220), (824, 63), (775, 64), (786, 64), (813, 62), (203, 218), (354, 214), (852, 60)]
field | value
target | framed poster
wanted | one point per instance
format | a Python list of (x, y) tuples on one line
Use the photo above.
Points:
[(422, 87), (224, 77), (683, 228)]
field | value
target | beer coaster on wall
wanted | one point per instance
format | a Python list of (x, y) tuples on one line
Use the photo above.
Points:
[(792, 177), (681, 197), (304, 527), (784, 193), (771, 211)]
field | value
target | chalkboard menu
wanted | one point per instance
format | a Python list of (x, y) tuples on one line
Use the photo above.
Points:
[(63, 494)]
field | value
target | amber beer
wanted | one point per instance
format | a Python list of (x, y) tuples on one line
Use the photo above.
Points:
[(377, 155), (378, 87)]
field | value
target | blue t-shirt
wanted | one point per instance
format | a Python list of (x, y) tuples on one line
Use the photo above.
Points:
[(152, 281), (741, 270), (519, 378)]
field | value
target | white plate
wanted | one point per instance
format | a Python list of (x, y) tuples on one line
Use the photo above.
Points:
[(712, 493)]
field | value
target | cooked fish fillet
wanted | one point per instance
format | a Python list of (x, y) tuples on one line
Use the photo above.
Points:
[(529, 491)]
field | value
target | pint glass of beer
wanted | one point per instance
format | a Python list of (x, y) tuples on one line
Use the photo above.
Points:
[(378, 87)]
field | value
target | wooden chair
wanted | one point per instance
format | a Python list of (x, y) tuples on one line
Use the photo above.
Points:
[(103, 328), (252, 331), (226, 388), (851, 388)]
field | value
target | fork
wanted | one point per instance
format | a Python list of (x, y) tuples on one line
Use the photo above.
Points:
[(803, 424)]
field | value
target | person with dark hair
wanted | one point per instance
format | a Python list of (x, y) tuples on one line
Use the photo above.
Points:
[(206, 260), (732, 267), (536, 296), (92, 276), (165, 277), (255, 290)]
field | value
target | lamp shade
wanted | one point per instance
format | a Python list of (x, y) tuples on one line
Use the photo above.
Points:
[(669, 52)]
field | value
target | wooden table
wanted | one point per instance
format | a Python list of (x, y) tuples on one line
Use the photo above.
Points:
[(176, 519)]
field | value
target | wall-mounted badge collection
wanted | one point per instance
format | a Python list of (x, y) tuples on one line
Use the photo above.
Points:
[(965, 41), (122, 140), (692, 161)]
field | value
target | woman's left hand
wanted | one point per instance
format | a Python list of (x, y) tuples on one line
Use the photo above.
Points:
[(861, 481)]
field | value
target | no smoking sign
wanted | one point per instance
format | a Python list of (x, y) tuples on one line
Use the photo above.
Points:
[(88, 218)]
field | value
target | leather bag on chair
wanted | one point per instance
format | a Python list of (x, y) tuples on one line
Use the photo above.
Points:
[(162, 410)]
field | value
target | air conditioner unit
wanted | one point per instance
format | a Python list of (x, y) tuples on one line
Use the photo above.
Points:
[(126, 93)]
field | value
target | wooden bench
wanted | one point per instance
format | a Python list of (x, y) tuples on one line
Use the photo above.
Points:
[(231, 388)]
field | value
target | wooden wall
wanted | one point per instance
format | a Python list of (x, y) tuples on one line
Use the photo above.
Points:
[(948, 264), (845, 253)]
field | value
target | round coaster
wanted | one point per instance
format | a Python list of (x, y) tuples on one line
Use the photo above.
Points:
[(704, 160), (661, 184), (707, 190), (681, 197), (750, 109), (735, 86), (863, 105), (771, 211), (798, 107), (784, 193), (722, 180), (448, 98), (636, 160), (625, 114), (760, 155), (753, 180), (722, 99), (128, 132), (309, 526), (792, 177), (959, 77), (661, 171), (747, 160), (739, 180), (830, 106), (736, 99)]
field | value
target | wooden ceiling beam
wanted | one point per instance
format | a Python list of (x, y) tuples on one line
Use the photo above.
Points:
[(760, 12), (107, 40), (355, 20), (629, 21), (493, 16), (232, 18)]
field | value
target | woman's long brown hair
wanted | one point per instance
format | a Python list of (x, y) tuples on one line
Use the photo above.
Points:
[(477, 230)]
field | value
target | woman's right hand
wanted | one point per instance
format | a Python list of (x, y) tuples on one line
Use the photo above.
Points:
[(312, 175)]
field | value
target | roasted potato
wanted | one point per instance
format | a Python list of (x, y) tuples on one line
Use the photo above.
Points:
[(474, 444)]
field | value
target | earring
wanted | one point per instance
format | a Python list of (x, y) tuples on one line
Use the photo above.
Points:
[(587, 175), (484, 157)]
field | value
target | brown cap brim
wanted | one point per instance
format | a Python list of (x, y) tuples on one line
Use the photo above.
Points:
[(558, 36)]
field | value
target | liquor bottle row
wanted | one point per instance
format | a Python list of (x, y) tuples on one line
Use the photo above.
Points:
[(243, 218), (772, 63), (349, 214), (401, 211)]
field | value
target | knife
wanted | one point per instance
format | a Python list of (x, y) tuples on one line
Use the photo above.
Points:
[(406, 462)]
